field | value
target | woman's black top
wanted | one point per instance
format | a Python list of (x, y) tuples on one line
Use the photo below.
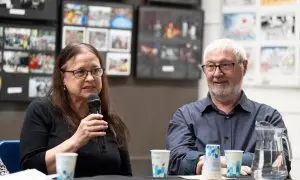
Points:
[(44, 129)]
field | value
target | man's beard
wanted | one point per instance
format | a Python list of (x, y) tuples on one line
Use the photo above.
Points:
[(227, 93)]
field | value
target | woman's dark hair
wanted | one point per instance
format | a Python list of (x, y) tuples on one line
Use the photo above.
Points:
[(60, 97)]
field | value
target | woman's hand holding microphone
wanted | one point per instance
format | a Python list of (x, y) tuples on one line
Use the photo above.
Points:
[(90, 127)]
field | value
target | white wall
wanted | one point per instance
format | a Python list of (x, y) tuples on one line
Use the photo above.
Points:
[(286, 101)]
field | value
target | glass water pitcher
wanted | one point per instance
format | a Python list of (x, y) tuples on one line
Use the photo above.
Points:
[(269, 159)]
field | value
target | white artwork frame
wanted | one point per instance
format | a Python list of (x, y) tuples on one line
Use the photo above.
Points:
[(289, 37), (94, 37), (269, 3), (38, 86), (72, 29), (99, 16), (279, 65), (240, 26), (114, 66), (117, 40), (278, 26), (251, 76)]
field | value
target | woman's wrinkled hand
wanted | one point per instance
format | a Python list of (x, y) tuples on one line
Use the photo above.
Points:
[(91, 126)]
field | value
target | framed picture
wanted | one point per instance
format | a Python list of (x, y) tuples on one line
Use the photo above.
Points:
[(148, 55), (42, 40), (75, 14), (270, 33), (121, 18), (42, 63), (278, 26), (27, 47), (16, 38), (72, 34), (149, 50), (252, 73), (15, 61), (14, 88), (108, 28), (169, 52), (39, 86), (98, 38), (189, 52), (29, 9), (170, 25), (239, 2), (118, 63), (169, 43), (278, 66), (99, 16), (119, 40), (277, 2), (252, 59), (240, 26), (178, 2)]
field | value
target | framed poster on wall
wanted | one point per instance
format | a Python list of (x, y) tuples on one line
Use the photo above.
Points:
[(106, 26), (26, 52), (29, 9), (28, 32), (278, 66), (169, 43), (240, 26), (270, 33)]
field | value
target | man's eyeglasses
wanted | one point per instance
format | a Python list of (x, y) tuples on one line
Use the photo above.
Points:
[(225, 67), (82, 73)]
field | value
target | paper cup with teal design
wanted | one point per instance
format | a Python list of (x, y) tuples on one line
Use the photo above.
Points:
[(212, 165), (233, 163), (160, 162), (65, 165)]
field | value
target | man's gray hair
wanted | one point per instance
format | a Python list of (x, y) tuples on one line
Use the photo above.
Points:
[(226, 45)]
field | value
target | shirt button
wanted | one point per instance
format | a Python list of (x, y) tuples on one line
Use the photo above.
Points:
[(227, 117)]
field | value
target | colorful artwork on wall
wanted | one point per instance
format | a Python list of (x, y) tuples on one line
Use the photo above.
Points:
[(269, 31), (169, 43)]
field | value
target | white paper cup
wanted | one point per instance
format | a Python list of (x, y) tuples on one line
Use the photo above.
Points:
[(160, 162), (233, 163), (65, 165), (212, 163)]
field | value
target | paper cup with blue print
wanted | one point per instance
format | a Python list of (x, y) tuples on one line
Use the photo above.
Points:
[(65, 165), (160, 162), (233, 163), (212, 163)]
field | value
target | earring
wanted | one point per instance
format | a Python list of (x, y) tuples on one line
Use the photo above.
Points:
[(65, 88)]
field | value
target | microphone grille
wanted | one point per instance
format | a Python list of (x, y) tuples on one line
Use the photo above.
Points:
[(93, 97)]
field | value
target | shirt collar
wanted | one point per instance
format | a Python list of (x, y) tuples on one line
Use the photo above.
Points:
[(243, 102), (206, 103)]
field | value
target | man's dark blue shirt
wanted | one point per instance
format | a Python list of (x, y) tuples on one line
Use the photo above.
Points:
[(196, 124)]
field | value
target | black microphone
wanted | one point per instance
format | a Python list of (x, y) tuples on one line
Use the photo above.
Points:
[(94, 104)]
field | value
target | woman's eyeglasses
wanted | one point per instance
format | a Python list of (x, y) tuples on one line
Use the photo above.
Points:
[(82, 73)]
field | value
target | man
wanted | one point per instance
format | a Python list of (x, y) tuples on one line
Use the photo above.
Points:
[(226, 116)]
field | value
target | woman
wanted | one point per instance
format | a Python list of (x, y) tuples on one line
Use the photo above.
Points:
[(61, 121)]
